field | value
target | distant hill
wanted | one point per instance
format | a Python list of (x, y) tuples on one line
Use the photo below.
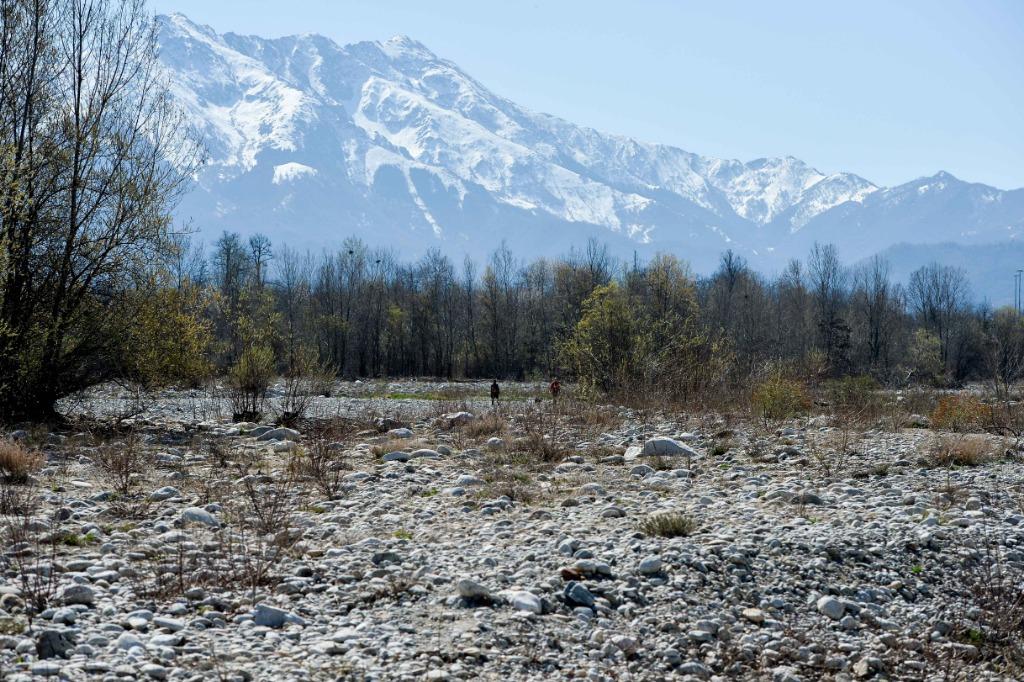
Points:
[(990, 267)]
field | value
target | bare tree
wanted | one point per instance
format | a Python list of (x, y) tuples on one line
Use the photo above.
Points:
[(939, 295)]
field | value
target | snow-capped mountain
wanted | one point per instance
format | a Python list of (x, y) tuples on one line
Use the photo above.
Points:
[(311, 142)]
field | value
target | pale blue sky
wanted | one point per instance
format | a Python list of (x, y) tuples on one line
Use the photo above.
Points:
[(889, 90)]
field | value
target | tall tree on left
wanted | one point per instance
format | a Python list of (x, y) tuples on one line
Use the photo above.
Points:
[(93, 156)]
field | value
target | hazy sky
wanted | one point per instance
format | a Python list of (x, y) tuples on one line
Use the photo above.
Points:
[(888, 90)]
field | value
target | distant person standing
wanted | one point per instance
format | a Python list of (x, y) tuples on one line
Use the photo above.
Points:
[(495, 393), (555, 388)]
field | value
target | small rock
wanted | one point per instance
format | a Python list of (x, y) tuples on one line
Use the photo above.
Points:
[(54, 643), (526, 601), (282, 433), (472, 590), (78, 594), (199, 515), (651, 565), (755, 616), (576, 594), (661, 446), (831, 607)]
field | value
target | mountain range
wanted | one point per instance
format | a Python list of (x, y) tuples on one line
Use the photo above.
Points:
[(311, 142)]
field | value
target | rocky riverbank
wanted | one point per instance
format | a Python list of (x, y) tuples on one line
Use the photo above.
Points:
[(397, 541)]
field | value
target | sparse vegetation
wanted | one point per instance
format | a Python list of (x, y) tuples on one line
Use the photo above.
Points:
[(778, 397), (961, 413), (961, 450), (668, 525), (18, 462)]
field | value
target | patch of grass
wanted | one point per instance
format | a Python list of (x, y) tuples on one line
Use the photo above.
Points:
[(668, 525), (402, 534), (69, 539), (506, 482), (720, 448), (962, 451), (490, 424), (540, 447), (660, 463), (11, 627), (18, 463)]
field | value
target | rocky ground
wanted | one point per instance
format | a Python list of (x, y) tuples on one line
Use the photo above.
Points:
[(427, 536)]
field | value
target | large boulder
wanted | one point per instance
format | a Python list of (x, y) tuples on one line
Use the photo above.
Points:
[(282, 433), (662, 446)]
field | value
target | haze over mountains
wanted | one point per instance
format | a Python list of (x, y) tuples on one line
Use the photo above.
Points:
[(311, 142)]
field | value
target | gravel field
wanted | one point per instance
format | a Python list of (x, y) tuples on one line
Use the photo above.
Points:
[(412, 532)]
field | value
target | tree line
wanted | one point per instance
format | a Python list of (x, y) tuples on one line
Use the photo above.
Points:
[(616, 325)]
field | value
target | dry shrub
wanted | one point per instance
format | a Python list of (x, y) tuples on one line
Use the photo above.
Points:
[(490, 424), (961, 413), (325, 465), (964, 451), (668, 525), (18, 463), (540, 448), (516, 485), (248, 382), (588, 414), (17, 500), (987, 612), (123, 465), (305, 378), (854, 397)]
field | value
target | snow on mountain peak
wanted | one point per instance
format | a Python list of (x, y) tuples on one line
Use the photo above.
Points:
[(399, 137)]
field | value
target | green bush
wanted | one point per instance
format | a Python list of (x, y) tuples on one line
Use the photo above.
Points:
[(778, 397)]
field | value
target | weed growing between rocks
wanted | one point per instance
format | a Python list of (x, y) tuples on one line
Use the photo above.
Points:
[(668, 525), (18, 462), (961, 450), (30, 557)]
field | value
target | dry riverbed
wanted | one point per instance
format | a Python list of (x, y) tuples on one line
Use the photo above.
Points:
[(411, 531)]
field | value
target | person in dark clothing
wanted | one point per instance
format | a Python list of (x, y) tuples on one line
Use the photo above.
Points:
[(495, 393)]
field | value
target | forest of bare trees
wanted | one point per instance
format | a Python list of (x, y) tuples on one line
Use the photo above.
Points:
[(362, 312)]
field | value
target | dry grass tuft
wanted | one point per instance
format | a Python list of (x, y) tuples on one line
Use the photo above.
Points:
[(540, 448), (490, 424), (398, 444), (963, 451), (961, 413), (587, 414), (515, 485), (18, 463), (668, 525)]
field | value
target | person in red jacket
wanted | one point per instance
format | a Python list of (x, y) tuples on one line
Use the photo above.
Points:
[(555, 388)]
